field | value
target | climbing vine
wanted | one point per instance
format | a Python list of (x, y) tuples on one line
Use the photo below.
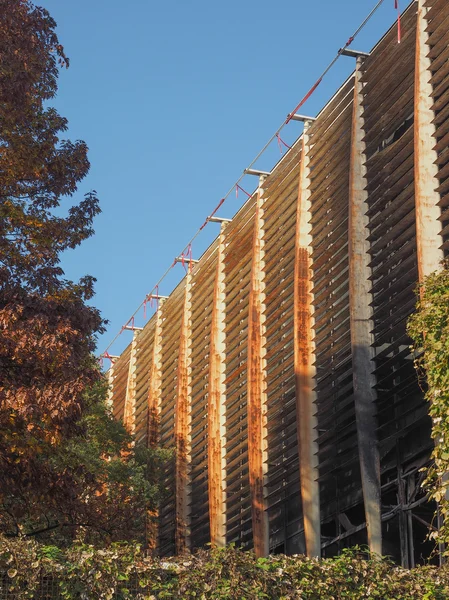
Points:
[(429, 329)]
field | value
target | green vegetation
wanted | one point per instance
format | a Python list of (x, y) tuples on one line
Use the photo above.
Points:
[(121, 572), (429, 328)]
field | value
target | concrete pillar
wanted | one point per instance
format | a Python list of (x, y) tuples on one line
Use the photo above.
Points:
[(182, 428), (257, 397), (428, 227), (360, 299), (216, 406), (110, 398), (305, 359), (155, 383), (154, 417), (129, 411)]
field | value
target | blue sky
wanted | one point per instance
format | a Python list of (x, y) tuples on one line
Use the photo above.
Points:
[(174, 100)]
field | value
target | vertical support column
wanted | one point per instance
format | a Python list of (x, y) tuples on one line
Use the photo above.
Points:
[(110, 398), (257, 397), (154, 416), (360, 317), (182, 428), (216, 407), (155, 383), (129, 412), (305, 360), (428, 227)]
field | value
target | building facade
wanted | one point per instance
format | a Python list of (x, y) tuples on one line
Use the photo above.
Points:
[(279, 368)]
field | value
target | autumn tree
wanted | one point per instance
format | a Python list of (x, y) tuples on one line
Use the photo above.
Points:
[(47, 331)]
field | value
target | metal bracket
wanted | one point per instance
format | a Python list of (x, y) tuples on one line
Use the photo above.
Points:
[(302, 118), (156, 297), (218, 220), (355, 53), (186, 260), (256, 172)]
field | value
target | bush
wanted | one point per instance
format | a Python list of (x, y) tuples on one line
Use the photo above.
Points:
[(121, 571)]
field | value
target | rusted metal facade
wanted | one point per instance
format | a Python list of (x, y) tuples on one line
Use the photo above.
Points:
[(279, 369)]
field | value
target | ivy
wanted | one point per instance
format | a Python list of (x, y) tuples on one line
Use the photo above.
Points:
[(122, 571), (429, 329)]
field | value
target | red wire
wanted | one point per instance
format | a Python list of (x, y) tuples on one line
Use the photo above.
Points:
[(212, 214), (304, 100), (239, 187), (281, 142), (396, 5), (108, 356)]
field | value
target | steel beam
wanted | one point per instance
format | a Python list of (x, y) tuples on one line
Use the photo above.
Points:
[(303, 118), (183, 260), (216, 406), (354, 53), (218, 220), (129, 411), (428, 226), (257, 397), (361, 325), (305, 360), (256, 172), (182, 428)]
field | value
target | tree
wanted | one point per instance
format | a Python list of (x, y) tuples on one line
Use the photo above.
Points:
[(55, 470), (94, 482), (47, 333), (37, 168), (429, 329)]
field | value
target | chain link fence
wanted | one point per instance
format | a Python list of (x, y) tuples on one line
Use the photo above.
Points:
[(49, 589)]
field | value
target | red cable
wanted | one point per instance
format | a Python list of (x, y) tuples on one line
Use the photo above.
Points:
[(212, 214), (239, 187), (281, 142), (396, 5), (108, 356), (304, 100)]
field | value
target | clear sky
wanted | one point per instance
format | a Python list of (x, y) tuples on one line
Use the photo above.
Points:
[(174, 99)]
